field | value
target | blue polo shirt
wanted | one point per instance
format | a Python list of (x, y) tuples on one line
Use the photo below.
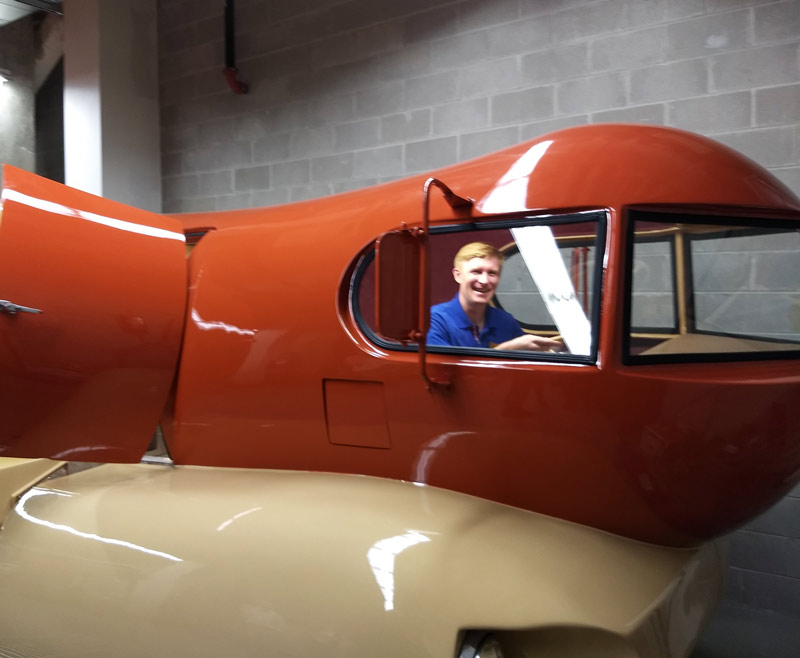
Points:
[(451, 326)]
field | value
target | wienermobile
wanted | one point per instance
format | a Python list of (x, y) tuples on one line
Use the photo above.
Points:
[(328, 482)]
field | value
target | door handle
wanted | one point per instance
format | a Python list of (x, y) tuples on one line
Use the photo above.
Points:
[(10, 308)]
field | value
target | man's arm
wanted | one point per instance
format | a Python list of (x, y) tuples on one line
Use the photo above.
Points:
[(531, 342)]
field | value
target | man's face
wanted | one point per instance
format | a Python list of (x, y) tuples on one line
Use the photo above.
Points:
[(477, 279)]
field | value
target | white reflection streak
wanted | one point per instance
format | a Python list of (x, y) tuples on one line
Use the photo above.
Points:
[(227, 328), (25, 514), (427, 454), (381, 561), (511, 191), (121, 224), (235, 517)]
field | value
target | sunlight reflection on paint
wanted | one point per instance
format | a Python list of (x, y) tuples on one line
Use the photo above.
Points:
[(235, 517), (25, 514), (428, 453), (121, 224), (511, 191), (227, 328), (381, 560)]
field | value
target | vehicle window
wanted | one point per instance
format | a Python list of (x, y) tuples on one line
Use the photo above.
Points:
[(548, 283), (713, 288)]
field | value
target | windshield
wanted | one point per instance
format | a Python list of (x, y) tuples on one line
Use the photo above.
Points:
[(713, 287)]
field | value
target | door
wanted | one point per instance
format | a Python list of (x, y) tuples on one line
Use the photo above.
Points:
[(93, 298)]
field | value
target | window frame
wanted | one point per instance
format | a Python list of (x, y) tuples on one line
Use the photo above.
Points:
[(476, 226), (684, 286)]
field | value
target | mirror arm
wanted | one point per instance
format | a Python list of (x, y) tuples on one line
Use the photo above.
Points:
[(456, 202)]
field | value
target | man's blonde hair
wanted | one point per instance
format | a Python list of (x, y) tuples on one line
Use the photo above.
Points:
[(477, 250)]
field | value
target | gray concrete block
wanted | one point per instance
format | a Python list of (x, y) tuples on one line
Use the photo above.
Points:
[(779, 594), (234, 201), (471, 145), (379, 39), (490, 77), (219, 156), (738, 631), (459, 50), (412, 62), (431, 154), (676, 9), (274, 65), (288, 174), (770, 147), (538, 128), (522, 106), (756, 67), (616, 52), (171, 164), (332, 167), (350, 185), (357, 135), (336, 108), (431, 89), (777, 105), (194, 204), (479, 14), (246, 128), (600, 92), (652, 114), (519, 37), (272, 148), (589, 20), (540, 7), (378, 162), (769, 554), (712, 114), (460, 117), (386, 99), (273, 197), (311, 142), (789, 176), (555, 64), (406, 127), (707, 35), (776, 22), (333, 50), (179, 187), (305, 192), (251, 178), (782, 519), (436, 23), (675, 80), (288, 116), (178, 90), (216, 183)]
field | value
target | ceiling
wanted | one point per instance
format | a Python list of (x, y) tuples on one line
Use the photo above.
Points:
[(11, 10)]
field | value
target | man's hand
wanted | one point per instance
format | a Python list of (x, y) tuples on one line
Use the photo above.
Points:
[(533, 343)]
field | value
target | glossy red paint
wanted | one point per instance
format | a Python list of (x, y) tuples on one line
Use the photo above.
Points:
[(274, 362), (87, 379)]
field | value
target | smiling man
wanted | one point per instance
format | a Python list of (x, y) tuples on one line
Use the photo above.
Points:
[(469, 320)]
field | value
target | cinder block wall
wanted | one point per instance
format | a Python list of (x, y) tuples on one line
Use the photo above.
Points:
[(17, 138), (349, 93)]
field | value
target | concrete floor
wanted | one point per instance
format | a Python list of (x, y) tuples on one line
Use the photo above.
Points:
[(737, 632)]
